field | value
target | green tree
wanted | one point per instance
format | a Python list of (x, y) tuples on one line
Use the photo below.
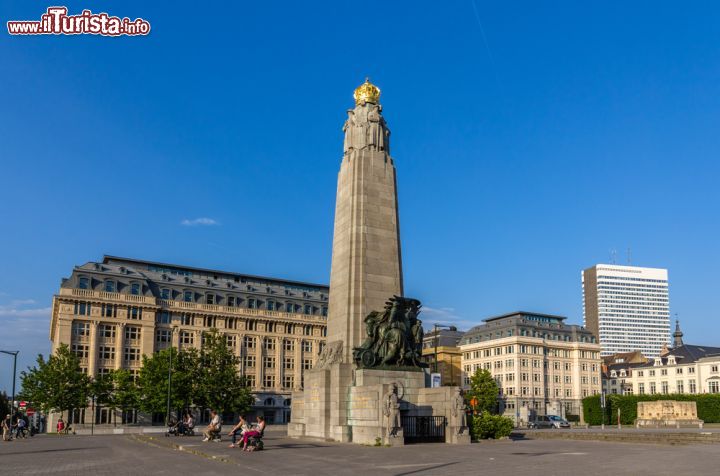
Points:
[(484, 391), (56, 384), (125, 391), (115, 390), (152, 382), (220, 385), (4, 405)]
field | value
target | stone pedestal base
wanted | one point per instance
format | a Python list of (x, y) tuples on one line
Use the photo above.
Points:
[(345, 404), (459, 436)]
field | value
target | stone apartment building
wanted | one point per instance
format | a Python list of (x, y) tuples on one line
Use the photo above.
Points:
[(113, 312), (684, 368), (441, 346), (617, 371), (541, 364)]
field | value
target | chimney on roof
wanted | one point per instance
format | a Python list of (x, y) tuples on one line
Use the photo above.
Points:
[(677, 335)]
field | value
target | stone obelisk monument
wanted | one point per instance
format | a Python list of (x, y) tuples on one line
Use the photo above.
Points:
[(366, 264), (369, 375)]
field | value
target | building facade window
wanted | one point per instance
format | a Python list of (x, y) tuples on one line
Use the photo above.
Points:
[(249, 342), (187, 338), (109, 310), (81, 329), (82, 309), (106, 352), (163, 317), (80, 351), (163, 335), (106, 331), (132, 333), (131, 355)]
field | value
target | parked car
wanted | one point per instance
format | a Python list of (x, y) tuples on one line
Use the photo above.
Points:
[(549, 421)]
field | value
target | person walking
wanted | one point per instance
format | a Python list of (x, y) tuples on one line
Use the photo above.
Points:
[(20, 427), (238, 430), (6, 428)]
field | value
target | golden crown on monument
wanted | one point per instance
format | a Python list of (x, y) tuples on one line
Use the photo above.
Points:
[(367, 92)]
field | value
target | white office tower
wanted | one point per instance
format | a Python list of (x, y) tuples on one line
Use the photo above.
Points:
[(627, 308)]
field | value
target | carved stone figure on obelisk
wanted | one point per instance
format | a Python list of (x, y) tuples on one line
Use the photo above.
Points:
[(366, 262)]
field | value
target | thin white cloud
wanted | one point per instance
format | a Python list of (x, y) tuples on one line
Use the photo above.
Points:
[(446, 316), (202, 221), (19, 316)]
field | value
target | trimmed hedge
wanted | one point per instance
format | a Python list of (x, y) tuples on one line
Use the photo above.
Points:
[(485, 426), (708, 407)]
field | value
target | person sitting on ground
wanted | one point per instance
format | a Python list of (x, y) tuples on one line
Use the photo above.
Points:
[(213, 429), (257, 431), (238, 431)]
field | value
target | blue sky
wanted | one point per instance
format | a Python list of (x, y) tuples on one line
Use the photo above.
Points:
[(530, 139)]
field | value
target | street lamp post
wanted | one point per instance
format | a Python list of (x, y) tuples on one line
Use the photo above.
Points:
[(14, 353), (167, 417)]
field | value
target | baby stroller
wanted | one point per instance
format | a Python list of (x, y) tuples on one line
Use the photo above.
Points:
[(175, 428)]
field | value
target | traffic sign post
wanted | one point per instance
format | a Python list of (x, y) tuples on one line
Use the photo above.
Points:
[(602, 405)]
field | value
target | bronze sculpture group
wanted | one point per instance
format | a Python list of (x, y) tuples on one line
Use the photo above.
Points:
[(394, 337)]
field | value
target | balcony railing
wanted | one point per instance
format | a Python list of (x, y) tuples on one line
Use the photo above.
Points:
[(106, 296)]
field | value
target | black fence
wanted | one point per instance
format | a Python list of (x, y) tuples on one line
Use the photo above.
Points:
[(424, 429)]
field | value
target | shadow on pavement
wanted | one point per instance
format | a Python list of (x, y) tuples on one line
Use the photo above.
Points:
[(63, 450), (427, 469)]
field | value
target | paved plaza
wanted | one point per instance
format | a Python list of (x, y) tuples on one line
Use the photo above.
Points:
[(157, 455)]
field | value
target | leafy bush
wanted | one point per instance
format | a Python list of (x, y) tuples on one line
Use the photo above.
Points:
[(708, 407), (485, 425), (572, 418)]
